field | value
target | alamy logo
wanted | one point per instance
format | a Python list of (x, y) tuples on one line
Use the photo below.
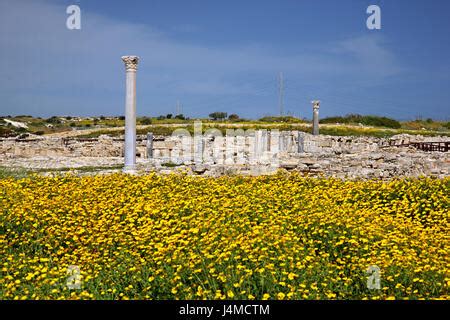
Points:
[(73, 22), (374, 20), (373, 281), (73, 278)]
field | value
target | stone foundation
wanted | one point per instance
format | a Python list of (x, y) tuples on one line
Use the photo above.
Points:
[(256, 153)]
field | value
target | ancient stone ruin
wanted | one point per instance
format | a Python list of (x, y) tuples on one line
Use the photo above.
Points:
[(254, 152), (237, 152)]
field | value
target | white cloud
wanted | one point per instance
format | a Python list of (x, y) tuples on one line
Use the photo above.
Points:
[(40, 56), (370, 55)]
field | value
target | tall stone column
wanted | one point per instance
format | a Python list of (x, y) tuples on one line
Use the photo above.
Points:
[(131, 63), (316, 104)]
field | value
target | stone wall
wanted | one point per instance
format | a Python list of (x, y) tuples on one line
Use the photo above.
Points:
[(256, 153), (255, 146)]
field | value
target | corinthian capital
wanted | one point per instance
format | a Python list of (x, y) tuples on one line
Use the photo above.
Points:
[(316, 104), (131, 62)]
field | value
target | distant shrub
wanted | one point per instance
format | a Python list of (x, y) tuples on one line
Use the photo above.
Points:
[(447, 125), (218, 115), (169, 164), (287, 119), (375, 121), (335, 119), (53, 120), (233, 117), (146, 121)]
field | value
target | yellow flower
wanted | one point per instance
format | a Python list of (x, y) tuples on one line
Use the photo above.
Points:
[(269, 231)]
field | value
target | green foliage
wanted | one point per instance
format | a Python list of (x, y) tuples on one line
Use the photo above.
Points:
[(375, 121), (218, 115), (13, 173), (169, 165), (146, 121), (276, 119), (53, 120)]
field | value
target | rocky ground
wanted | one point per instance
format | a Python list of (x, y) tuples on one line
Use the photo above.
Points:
[(384, 164)]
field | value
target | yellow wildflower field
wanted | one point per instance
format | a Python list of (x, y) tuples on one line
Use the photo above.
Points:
[(182, 237)]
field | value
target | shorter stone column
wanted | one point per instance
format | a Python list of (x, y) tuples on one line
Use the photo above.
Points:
[(274, 142), (301, 142), (316, 104), (257, 145), (150, 145), (198, 149)]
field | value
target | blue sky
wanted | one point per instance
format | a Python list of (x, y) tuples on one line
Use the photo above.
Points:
[(226, 56)]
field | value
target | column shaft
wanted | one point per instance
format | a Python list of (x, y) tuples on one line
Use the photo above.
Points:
[(130, 113)]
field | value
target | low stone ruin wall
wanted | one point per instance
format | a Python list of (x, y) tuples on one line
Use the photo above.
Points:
[(251, 147), (259, 153)]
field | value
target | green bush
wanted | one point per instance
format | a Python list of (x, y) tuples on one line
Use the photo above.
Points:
[(53, 120), (218, 115), (369, 120), (146, 121), (288, 119)]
